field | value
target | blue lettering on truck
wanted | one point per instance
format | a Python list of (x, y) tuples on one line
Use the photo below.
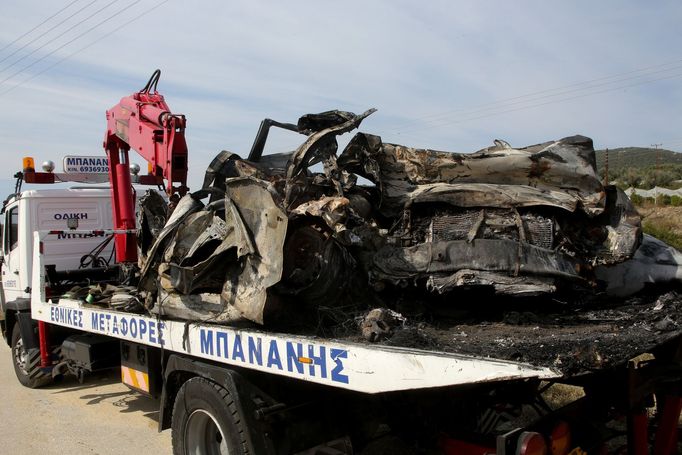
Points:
[(71, 216), (143, 330), (67, 316), (66, 235), (86, 164), (86, 161), (299, 358), (319, 361), (138, 328)]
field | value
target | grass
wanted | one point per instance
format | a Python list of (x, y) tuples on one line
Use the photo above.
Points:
[(662, 222), (663, 232)]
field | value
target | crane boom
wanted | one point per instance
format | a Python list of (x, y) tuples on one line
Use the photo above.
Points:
[(143, 122)]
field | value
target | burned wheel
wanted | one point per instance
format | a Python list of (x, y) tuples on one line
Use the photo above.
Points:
[(206, 421), (27, 363)]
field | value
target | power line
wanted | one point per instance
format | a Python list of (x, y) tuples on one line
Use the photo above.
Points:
[(554, 95), (653, 146), (106, 35), (490, 114), (547, 93), (71, 41), (535, 94), (37, 26), (43, 34), (672, 141), (58, 36)]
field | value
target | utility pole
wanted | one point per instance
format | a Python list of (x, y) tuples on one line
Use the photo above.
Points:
[(658, 156), (606, 167), (658, 171)]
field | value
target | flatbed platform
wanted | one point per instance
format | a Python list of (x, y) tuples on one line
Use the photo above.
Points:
[(574, 338), (561, 341)]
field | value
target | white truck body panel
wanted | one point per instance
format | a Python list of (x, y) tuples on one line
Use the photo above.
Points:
[(49, 210), (337, 363)]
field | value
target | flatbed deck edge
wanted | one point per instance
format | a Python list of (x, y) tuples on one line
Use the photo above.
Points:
[(347, 365)]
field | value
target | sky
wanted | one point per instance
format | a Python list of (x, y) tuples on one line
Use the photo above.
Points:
[(447, 75)]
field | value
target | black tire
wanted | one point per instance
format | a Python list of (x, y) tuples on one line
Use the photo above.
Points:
[(205, 420), (27, 363)]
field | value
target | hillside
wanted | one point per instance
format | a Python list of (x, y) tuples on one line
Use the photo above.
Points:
[(636, 157)]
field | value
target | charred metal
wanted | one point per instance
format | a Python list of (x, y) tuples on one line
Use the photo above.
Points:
[(275, 236)]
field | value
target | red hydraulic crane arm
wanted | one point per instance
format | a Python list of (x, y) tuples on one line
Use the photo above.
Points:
[(143, 122)]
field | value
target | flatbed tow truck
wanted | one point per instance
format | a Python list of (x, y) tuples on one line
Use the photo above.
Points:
[(231, 388)]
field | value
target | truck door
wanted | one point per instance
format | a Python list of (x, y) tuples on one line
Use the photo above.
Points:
[(10, 268)]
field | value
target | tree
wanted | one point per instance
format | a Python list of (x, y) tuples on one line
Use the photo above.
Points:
[(631, 177)]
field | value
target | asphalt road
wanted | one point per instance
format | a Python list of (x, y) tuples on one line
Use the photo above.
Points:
[(100, 416)]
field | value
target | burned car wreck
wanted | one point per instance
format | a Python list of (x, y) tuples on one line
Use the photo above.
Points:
[(269, 234)]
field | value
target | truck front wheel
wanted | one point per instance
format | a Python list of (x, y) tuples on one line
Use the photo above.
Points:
[(27, 362), (206, 421)]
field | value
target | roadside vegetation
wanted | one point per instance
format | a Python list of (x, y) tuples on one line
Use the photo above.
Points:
[(642, 167), (663, 222), (646, 168), (665, 175)]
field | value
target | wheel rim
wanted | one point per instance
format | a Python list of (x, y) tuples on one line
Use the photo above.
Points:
[(20, 356), (203, 435)]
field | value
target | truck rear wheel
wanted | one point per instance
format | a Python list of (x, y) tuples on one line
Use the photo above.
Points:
[(27, 363), (206, 421)]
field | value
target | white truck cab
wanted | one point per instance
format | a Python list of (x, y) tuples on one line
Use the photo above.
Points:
[(50, 209)]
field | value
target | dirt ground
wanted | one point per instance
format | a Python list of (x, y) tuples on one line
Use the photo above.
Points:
[(662, 217), (100, 416)]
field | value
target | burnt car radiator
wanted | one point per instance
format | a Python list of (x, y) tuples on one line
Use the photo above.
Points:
[(469, 224)]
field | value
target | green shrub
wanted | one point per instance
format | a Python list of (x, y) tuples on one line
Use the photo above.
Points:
[(662, 199), (675, 201), (636, 199), (663, 233)]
